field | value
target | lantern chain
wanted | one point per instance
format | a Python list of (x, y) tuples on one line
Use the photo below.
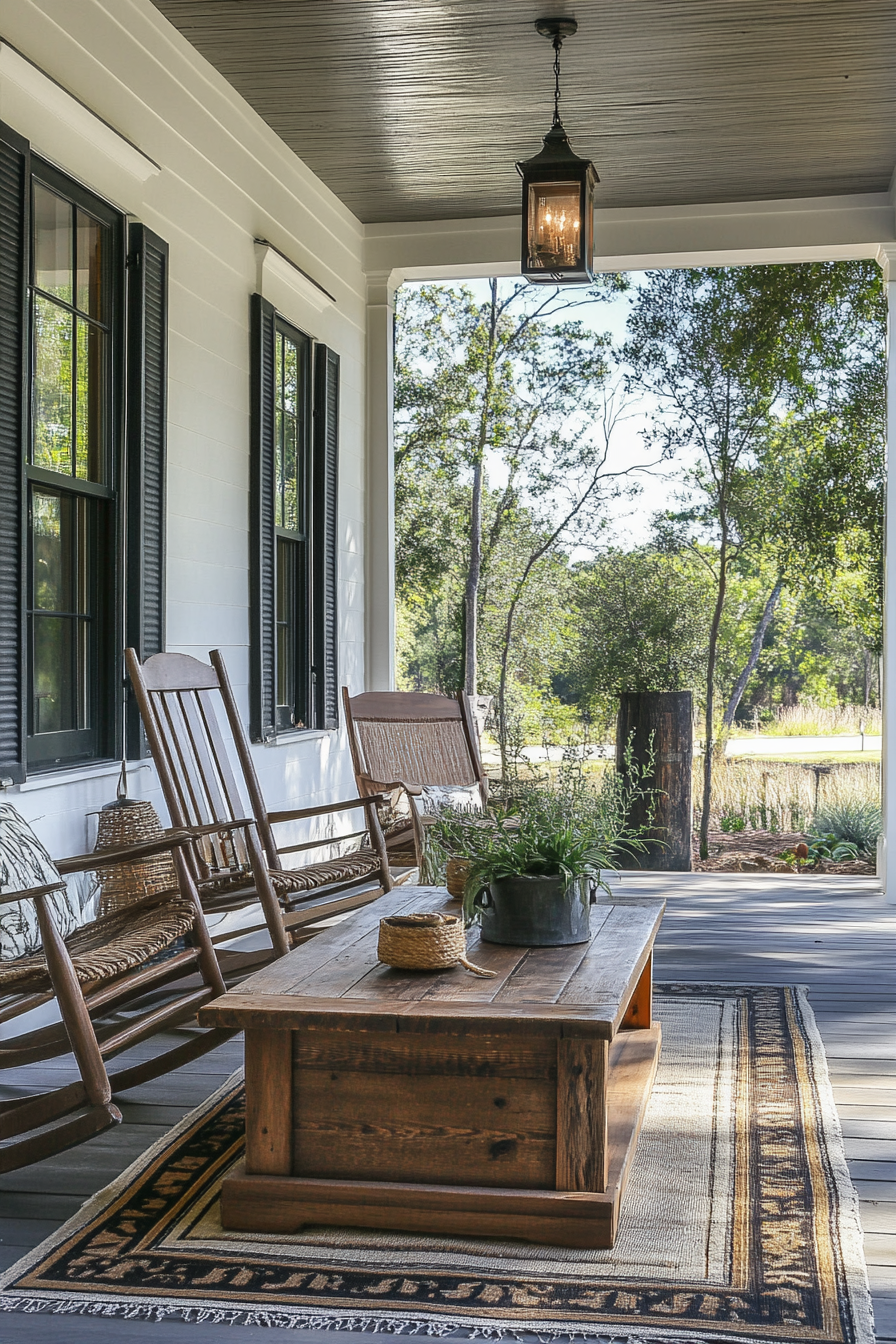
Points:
[(558, 43)]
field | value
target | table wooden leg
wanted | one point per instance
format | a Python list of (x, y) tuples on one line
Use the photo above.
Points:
[(639, 1012), (582, 1115), (269, 1121)]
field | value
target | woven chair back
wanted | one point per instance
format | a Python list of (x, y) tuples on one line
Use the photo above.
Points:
[(416, 738), (180, 699), (431, 752)]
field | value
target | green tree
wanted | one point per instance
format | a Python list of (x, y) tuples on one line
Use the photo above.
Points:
[(723, 352), (642, 622), (509, 386)]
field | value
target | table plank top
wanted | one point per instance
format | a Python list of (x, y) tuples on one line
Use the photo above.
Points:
[(335, 979)]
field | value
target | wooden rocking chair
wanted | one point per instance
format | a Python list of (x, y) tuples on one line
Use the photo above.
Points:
[(181, 701), (117, 980), (402, 741)]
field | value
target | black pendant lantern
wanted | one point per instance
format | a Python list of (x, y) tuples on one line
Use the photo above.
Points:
[(558, 195)]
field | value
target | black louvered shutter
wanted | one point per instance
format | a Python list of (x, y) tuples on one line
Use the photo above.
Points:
[(147, 418), (14, 179), (325, 538), (262, 630)]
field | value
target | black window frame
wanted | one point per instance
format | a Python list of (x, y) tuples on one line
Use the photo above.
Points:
[(101, 739), (314, 650), (294, 551), (131, 543)]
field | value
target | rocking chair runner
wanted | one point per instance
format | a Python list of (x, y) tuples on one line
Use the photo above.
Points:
[(106, 966), (180, 701), (402, 741)]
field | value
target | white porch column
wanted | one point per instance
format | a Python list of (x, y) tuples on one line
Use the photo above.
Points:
[(379, 579), (886, 865)]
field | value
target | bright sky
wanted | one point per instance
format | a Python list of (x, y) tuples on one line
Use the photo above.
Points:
[(631, 519)]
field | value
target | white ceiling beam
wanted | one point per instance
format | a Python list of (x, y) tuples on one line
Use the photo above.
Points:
[(824, 228)]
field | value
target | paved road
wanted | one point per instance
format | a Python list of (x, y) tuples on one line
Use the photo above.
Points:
[(760, 744)]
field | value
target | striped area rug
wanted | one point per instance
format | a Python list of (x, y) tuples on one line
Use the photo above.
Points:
[(739, 1222)]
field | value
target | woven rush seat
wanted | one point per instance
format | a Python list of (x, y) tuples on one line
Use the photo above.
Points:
[(109, 946), (361, 863)]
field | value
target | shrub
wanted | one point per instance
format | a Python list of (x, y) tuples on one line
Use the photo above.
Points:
[(854, 820)]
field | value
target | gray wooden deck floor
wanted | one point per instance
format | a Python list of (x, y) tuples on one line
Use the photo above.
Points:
[(835, 935)]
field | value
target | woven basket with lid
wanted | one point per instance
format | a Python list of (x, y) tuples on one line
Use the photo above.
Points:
[(425, 942)]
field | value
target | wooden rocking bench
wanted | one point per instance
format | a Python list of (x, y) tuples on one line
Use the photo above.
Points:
[(208, 778), (116, 962)]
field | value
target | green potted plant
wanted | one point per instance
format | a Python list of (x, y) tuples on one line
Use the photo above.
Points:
[(535, 865), (533, 887)]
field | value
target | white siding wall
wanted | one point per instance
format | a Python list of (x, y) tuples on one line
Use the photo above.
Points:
[(224, 180)]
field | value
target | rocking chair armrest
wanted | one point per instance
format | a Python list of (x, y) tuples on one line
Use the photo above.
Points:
[(383, 787), (141, 849), (29, 893), (174, 837), (298, 813), (217, 827)]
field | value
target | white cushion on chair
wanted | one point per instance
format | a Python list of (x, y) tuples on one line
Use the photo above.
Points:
[(435, 799), (24, 863)]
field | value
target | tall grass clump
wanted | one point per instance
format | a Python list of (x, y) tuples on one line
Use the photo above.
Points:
[(813, 720), (778, 796)]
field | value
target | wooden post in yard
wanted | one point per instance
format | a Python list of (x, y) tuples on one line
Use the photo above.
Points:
[(664, 719)]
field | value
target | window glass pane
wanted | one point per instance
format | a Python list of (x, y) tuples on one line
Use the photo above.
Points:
[(290, 378), (278, 468), (89, 384), (90, 295), (52, 243), (286, 635), (52, 575), (55, 659), (52, 386), (290, 475), (60, 560)]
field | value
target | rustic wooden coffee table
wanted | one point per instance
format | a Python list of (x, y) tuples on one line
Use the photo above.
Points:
[(438, 1101)]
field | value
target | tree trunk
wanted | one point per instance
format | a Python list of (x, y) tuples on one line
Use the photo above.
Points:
[(661, 723), (755, 649), (710, 689), (471, 590), (474, 568)]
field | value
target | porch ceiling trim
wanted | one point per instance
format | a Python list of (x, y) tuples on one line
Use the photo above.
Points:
[(26, 89), (825, 228)]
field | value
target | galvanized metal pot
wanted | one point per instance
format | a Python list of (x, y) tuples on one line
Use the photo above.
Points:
[(535, 911)]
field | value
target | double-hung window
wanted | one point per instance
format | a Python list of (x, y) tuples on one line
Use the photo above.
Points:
[(293, 501), (292, 520), (82, 449), (75, 313)]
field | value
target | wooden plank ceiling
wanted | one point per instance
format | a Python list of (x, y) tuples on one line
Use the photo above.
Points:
[(418, 109)]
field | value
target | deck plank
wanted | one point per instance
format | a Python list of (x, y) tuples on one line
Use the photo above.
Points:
[(833, 935)]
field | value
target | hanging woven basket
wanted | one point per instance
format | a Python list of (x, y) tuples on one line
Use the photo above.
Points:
[(125, 822), (425, 942)]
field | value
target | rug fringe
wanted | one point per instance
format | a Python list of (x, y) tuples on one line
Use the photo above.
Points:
[(431, 1328)]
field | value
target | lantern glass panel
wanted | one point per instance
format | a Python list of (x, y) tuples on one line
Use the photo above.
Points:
[(555, 225)]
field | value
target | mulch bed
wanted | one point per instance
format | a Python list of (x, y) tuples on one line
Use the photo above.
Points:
[(760, 852)]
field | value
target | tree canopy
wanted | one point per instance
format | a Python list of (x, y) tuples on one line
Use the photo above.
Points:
[(762, 579)]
